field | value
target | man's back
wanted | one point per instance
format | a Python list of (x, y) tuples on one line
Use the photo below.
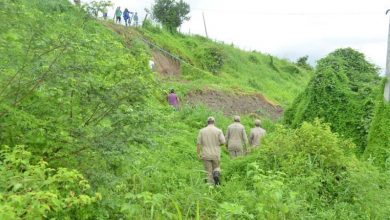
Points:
[(236, 136), (255, 137), (211, 138)]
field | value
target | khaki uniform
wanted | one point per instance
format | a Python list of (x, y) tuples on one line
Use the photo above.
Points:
[(236, 139), (211, 138), (255, 136)]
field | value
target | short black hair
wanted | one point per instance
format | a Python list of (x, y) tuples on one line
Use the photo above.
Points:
[(172, 90)]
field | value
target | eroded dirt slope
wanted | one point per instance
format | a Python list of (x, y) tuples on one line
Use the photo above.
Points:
[(231, 104)]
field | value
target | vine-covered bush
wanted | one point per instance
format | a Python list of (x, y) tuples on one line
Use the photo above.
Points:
[(378, 147), (342, 92)]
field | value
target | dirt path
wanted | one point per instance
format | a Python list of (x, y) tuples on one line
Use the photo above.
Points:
[(231, 104), (165, 65)]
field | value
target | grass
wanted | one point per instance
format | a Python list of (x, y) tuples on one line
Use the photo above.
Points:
[(242, 71)]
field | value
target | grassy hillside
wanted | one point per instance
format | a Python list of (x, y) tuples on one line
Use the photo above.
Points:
[(228, 68), (85, 132)]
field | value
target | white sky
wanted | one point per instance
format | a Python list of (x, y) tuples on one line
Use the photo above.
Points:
[(289, 28)]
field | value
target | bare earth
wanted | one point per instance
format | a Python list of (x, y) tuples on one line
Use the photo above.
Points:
[(232, 104), (165, 65)]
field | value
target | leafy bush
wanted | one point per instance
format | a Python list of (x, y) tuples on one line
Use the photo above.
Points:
[(309, 172), (32, 190), (342, 92), (211, 58), (378, 147)]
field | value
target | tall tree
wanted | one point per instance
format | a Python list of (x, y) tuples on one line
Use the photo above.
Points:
[(171, 13)]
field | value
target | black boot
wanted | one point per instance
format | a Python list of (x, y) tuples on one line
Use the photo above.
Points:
[(216, 175)]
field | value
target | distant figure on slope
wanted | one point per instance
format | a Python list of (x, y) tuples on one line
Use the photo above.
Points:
[(126, 17), (151, 64), (257, 133), (208, 148), (118, 14), (135, 17), (173, 100), (105, 13), (236, 138)]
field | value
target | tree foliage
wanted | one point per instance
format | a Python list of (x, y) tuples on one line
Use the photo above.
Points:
[(302, 62), (93, 8), (171, 13)]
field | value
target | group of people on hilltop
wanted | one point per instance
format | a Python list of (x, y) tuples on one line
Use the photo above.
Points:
[(211, 138), (128, 16)]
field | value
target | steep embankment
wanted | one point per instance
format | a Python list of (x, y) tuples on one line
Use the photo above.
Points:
[(231, 80)]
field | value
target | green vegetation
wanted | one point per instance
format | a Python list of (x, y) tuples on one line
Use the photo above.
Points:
[(35, 190), (302, 62), (170, 13), (95, 7), (378, 147), (85, 132), (343, 93), (223, 67)]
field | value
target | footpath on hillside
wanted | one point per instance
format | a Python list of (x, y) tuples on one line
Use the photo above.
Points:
[(168, 66)]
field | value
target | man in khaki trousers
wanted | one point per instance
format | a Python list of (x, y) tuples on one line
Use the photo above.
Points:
[(236, 138), (208, 148)]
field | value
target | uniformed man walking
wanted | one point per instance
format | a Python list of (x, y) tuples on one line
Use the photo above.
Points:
[(208, 148), (257, 133), (236, 138)]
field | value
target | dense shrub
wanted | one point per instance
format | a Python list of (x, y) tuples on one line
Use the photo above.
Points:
[(32, 190), (378, 147), (342, 92), (309, 172), (211, 58)]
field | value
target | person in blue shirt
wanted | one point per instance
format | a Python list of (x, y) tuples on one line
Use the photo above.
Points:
[(135, 19), (126, 17)]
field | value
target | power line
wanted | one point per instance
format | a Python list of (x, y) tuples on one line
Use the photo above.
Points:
[(289, 13)]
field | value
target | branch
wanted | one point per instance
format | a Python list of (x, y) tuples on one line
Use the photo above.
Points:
[(37, 83)]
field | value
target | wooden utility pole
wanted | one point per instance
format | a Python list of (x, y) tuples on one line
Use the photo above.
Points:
[(387, 87), (204, 23)]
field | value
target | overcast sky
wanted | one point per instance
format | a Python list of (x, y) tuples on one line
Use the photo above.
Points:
[(289, 28)]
